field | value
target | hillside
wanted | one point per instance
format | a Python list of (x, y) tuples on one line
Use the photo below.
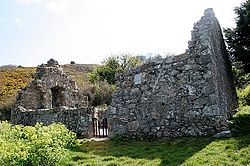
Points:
[(11, 80), (14, 79), (79, 72)]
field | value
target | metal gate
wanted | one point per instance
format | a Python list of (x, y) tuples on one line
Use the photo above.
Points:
[(100, 128)]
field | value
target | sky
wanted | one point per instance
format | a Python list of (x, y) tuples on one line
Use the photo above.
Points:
[(87, 31)]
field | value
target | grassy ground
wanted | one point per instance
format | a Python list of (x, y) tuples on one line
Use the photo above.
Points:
[(187, 151), (183, 151)]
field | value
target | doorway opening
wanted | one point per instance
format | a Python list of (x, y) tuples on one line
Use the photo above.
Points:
[(58, 97)]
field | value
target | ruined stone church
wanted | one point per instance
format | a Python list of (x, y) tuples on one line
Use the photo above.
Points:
[(52, 97), (191, 94)]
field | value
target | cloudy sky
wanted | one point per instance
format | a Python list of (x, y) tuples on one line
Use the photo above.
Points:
[(87, 31)]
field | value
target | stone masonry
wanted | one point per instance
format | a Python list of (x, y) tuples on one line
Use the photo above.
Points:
[(52, 97), (191, 94), (50, 88)]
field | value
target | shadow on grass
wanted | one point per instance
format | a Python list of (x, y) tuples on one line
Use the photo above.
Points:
[(241, 124), (171, 152), (241, 127), (187, 151)]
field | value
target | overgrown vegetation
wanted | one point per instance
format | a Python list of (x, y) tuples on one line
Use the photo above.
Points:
[(112, 65), (244, 96), (32, 146), (241, 78), (12, 80), (103, 94), (103, 77), (238, 38)]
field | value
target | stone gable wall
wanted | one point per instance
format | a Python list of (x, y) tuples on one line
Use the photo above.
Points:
[(53, 97), (38, 94), (189, 94)]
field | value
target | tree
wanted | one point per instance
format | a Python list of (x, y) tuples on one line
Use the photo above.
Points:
[(111, 65), (238, 39), (103, 77)]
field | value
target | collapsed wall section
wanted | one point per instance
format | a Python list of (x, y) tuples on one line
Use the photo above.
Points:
[(189, 94), (50, 88), (53, 97)]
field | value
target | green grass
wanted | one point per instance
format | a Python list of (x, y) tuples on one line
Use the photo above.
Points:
[(182, 151), (185, 151), (241, 121)]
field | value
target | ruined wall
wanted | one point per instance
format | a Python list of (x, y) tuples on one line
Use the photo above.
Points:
[(52, 97), (38, 94), (78, 120), (207, 42), (188, 94)]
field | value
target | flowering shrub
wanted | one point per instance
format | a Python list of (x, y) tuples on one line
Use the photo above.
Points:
[(39, 145)]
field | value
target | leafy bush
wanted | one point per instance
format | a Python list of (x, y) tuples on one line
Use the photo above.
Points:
[(103, 77), (241, 79), (103, 73), (244, 95), (39, 145), (111, 65), (99, 93), (103, 94)]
